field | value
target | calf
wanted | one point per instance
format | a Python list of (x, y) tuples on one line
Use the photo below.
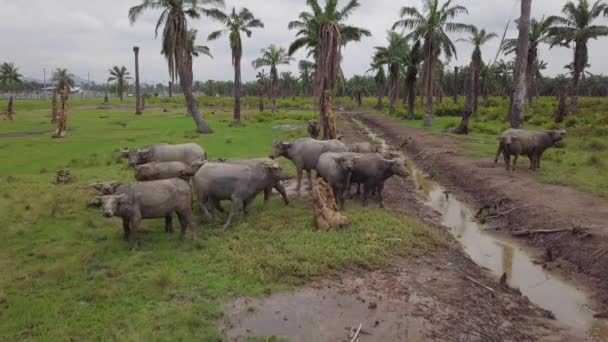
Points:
[(372, 171)]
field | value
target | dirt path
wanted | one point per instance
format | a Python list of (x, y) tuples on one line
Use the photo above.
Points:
[(442, 296), (581, 253)]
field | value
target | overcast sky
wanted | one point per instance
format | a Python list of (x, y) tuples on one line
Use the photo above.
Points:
[(89, 36)]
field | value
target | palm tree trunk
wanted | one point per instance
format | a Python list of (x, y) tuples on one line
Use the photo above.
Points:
[(10, 111), (185, 78), (170, 89), (393, 95), (237, 88), (455, 85), (327, 72), (138, 106), (476, 89), (379, 90), (428, 115), (561, 107), (55, 107), (411, 99), (274, 83), (519, 95)]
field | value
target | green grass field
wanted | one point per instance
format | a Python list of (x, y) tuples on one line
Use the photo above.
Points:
[(580, 161), (68, 275)]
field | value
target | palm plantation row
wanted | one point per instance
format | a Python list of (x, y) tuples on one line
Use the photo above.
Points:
[(414, 61)]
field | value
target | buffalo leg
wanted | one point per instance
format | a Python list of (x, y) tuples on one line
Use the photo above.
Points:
[(169, 224), (515, 157), (126, 229), (380, 195), (366, 191), (500, 147), (507, 161), (309, 174), (237, 208), (203, 201), (134, 225), (267, 194), (280, 189), (184, 221), (299, 172)]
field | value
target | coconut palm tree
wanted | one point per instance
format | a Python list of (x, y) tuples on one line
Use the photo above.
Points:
[(63, 79), (261, 82), (393, 56), (119, 75), (175, 44), (138, 99), (358, 88), (235, 23), (539, 33), (197, 50), (380, 81), (309, 25), (307, 69), (432, 26), (272, 57), (477, 39), (414, 58), (576, 27), (517, 108), (10, 78)]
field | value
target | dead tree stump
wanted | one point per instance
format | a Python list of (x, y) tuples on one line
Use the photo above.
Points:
[(326, 215), (62, 115), (10, 111)]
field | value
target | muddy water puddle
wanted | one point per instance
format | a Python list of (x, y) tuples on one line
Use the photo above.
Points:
[(501, 256)]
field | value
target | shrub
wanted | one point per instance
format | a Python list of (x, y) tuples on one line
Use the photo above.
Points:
[(594, 144), (571, 122)]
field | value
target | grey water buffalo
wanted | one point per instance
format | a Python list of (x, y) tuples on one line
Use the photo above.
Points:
[(363, 147), (163, 170), (185, 153), (239, 183), (149, 200), (335, 169), (314, 129), (305, 153), (260, 162), (516, 142), (117, 188), (372, 170)]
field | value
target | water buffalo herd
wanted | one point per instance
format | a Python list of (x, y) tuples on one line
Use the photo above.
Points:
[(169, 176)]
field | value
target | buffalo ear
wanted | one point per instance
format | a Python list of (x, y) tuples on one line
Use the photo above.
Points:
[(145, 153), (124, 152), (96, 186), (286, 145), (115, 186)]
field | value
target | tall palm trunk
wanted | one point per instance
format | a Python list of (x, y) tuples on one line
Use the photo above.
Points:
[(327, 72), (137, 85), (237, 87), (530, 76), (274, 83), (10, 111), (183, 61), (379, 91), (54, 106), (170, 89), (393, 91), (428, 75), (476, 87), (411, 99), (455, 85), (519, 95), (578, 68)]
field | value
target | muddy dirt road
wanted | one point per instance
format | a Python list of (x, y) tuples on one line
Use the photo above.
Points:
[(443, 296), (518, 203)]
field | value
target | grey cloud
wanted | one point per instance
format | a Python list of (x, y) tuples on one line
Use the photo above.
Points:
[(89, 36)]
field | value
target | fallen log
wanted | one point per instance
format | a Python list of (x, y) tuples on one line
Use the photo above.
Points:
[(523, 233), (479, 284), (510, 211)]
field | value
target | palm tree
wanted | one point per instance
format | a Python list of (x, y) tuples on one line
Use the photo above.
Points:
[(358, 88), (119, 75), (414, 58), (539, 33), (433, 27), (235, 23), (197, 50), (306, 75), (289, 84), (9, 79), (380, 81), (576, 27), (138, 100), (273, 57), (393, 56), (63, 79), (261, 81), (477, 39), (521, 63), (309, 25), (175, 45)]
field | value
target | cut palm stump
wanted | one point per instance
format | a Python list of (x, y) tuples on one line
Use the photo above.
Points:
[(326, 213)]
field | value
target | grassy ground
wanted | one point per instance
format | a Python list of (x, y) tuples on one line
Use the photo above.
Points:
[(67, 273), (581, 161)]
